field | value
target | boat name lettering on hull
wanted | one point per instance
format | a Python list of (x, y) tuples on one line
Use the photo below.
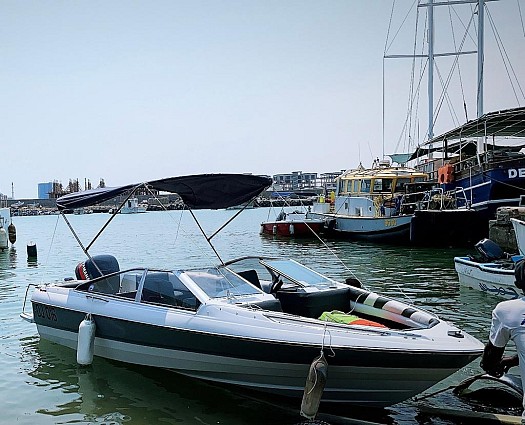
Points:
[(45, 312), (513, 173), (390, 222)]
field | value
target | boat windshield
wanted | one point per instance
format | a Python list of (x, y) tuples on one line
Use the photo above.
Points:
[(298, 273), (217, 283)]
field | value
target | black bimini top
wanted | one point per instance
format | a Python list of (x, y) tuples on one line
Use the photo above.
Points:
[(201, 191)]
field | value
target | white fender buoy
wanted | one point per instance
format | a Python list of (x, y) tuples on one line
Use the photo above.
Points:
[(274, 229), (314, 387), (3, 238), (11, 230), (292, 229), (86, 341)]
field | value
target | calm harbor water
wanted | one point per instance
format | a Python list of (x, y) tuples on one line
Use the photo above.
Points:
[(41, 382)]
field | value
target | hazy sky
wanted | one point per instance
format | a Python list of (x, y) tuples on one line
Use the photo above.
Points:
[(138, 90)]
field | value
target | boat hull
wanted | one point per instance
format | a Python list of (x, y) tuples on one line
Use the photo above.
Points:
[(388, 229), (486, 277), (500, 183), (356, 375), (448, 227), (519, 231), (293, 228)]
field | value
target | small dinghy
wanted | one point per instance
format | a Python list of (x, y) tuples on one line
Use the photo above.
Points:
[(491, 271)]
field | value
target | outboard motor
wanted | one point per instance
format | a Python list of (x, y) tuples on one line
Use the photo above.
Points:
[(97, 266), (93, 267), (489, 250)]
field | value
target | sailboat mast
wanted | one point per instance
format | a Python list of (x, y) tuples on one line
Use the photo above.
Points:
[(481, 30), (430, 69)]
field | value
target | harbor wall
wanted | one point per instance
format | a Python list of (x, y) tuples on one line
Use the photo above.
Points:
[(501, 230)]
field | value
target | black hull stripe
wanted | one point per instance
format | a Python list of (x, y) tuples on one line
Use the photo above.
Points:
[(245, 348)]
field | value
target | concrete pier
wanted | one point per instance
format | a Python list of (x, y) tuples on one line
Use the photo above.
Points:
[(501, 230)]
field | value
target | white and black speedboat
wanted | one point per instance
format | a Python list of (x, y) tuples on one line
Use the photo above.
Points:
[(255, 327)]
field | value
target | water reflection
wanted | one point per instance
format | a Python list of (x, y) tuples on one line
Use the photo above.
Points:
[(8, 262), (110, 392)]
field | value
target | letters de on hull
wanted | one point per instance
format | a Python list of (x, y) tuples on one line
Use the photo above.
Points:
[(513, 173)]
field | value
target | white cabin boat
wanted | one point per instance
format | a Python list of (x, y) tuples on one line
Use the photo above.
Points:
[(132, 206), (367, 203)]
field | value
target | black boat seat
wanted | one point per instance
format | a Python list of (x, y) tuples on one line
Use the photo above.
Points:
[(158, 288), (165, 288), (251, 276), (313, 304)]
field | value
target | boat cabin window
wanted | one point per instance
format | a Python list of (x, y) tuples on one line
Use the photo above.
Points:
[(382, 185), (355, 188), (217, 283), (365, 185), (344, 186), (297, 273), (400, 184)]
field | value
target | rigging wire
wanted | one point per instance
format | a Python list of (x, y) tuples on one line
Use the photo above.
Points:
[(331, 251), (521, 17), (506, 61), (52, 241), (446, 97), (459, 67), (388, 45), (410, 108), (383, 91), (401, 25), (411, 118), (408, 115), (449, 77), (444, 94)]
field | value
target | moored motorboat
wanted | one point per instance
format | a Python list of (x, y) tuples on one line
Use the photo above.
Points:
[(132, 206), (492, 271), (367, 203), (252, 325), (294, 223)]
